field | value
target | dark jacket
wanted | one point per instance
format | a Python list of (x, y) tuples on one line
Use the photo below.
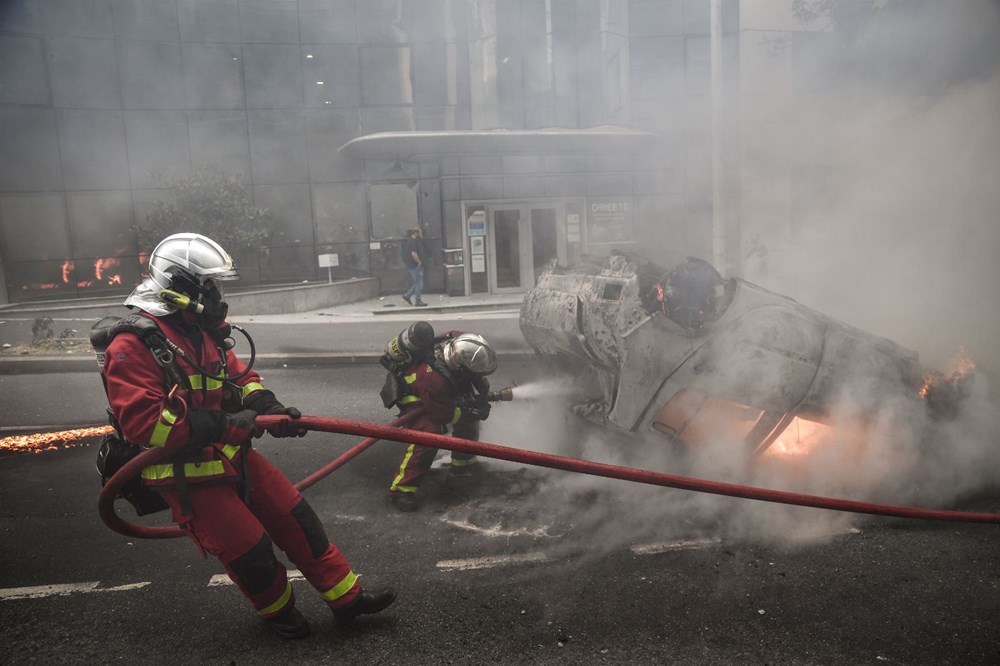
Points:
[(411, 245)]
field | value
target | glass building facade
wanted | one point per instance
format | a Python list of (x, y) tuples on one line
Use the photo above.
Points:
[(100, 98)]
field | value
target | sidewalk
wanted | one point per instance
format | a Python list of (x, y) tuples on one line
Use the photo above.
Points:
[(354, 333), (389, 307)]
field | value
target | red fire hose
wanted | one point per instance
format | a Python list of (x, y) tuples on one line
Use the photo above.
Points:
[(374, 432)]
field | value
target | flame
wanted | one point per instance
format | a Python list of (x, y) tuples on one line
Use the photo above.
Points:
[(66, 268), (51, 441), (103, 264), (959, 366), (115, 279), (800, 438)]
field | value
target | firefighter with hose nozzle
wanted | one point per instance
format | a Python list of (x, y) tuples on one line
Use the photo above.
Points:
[(173, 381), (445, 376)]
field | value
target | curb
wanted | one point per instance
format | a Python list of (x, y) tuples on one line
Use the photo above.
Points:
[(26, 365)]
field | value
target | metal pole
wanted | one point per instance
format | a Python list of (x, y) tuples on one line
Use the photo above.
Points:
[(718, 182)]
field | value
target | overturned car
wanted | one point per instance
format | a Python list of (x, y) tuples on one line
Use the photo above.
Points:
[(687, 355)]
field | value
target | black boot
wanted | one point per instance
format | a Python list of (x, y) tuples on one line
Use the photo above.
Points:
[(290, 624), (365, 603)]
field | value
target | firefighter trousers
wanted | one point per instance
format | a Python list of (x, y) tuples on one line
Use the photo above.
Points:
[(240, 534), (417, 460)]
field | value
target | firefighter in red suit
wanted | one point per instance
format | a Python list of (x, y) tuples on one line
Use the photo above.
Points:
[(232, 502), (451, 387)]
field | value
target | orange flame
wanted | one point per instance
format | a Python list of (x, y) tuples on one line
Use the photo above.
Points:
[(66, 268), (800, 438), (959, 366), (51, 441), (103, 264)]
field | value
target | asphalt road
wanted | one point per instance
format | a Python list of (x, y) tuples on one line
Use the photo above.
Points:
[(522, 566)]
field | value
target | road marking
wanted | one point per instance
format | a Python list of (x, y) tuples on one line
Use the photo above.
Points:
[(223, 579), (669, 546), (40, 591), (491, 561), (694, 544), (497, 531)]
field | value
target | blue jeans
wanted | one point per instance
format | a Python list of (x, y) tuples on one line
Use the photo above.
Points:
[(417, 274)]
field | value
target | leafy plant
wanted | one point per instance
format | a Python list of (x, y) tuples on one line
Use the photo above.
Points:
[(208, 202)]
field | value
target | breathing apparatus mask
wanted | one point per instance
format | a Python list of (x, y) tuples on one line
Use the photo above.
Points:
[(203, 300)]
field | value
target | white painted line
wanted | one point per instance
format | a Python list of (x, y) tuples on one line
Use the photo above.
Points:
[(352, 519), (497, 531), (669, 546), (41, 591), (223, 579), (491, 561)]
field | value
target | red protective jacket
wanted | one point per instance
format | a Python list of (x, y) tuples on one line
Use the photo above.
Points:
[(429, 389), (137, 392)]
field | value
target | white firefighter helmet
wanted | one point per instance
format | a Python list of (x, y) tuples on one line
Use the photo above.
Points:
[(181, 262), (470, 352)]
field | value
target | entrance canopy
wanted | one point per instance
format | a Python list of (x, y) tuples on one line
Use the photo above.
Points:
[(405, 146)]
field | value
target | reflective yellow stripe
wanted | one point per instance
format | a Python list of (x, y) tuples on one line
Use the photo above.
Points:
[(280, 603), (407, 399), (230, 450), (210, 384), (458, 415), (251, 387), (455, 462), (409, 379), (191, 470), (162, 428), (341, 588), (402, 471)]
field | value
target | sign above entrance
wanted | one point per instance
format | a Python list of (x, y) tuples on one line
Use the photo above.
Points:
[(610, 220)]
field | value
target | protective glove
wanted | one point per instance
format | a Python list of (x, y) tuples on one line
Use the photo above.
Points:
[(239, 427), (480, 410), (209, 426), (286, 427)]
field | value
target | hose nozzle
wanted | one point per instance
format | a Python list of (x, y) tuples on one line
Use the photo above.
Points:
[(504, 395)]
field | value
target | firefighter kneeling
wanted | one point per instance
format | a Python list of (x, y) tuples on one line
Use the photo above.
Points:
[(446, 377), (173, 381)]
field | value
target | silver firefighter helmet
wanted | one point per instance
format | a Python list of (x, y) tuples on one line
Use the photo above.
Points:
[(181, 262), (190, 257), (470, 352)]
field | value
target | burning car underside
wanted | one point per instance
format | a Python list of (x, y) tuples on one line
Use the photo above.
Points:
[(687, 355)]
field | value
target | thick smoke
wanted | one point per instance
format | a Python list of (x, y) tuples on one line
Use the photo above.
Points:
[(906, 246)]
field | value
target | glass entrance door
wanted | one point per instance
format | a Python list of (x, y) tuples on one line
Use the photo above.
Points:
[(508, 249), (522, 240)]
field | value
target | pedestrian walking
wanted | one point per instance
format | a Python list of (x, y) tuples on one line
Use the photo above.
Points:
[(413, 259)]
